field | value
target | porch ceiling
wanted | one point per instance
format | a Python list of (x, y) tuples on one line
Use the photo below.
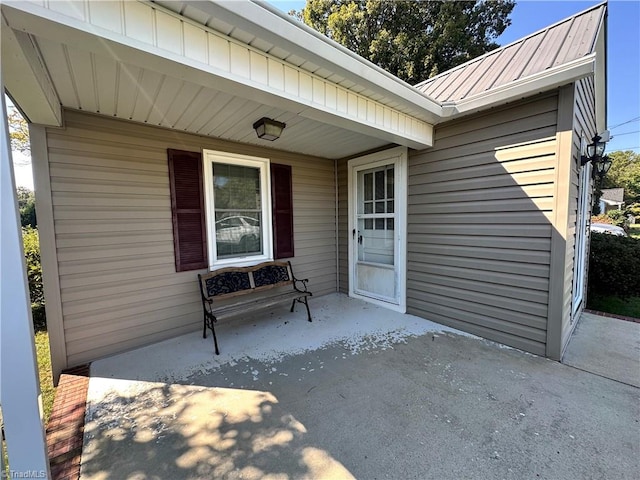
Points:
[(77, 65)]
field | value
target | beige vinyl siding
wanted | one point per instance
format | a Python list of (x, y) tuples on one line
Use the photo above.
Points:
[(112, 219), (480, 217), (584, 123)]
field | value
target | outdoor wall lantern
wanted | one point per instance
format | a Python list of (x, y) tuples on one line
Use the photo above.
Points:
[(268, 129), (594, 154), (602, 167)]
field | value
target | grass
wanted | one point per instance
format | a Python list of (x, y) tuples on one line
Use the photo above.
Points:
[(44, 368), (634, 231), (628, 307)]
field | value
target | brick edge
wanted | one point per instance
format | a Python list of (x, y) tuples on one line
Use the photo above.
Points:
[(65, 428)]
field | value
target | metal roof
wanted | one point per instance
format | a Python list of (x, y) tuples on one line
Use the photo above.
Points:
[(568, 40), (613, 194)]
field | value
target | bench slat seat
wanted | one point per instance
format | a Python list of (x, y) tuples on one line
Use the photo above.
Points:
[(234, 291)]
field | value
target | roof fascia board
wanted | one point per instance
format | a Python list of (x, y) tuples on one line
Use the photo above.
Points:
[(27, 78), (277, 28), (526, 87), (412, 132)]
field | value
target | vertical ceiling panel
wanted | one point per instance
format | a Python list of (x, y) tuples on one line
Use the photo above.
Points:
[(56, 60), (127, 87), (200, 102), (185, 96), (217, 102), (168, 90), (241, 120), (106, 80), (82, 68), (218, 122), (146, 95)]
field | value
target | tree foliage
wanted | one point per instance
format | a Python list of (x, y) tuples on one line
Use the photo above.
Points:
[(31, 242), (625, 173), (27, 207), (416, 39), (18, 131)]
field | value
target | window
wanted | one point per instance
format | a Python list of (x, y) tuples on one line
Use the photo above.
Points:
[(236, 212), (238, 208)]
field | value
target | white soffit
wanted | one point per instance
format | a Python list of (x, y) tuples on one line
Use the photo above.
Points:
[(27, 78), (161, 41)]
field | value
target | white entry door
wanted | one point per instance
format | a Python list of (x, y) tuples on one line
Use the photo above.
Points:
[(377, 226)]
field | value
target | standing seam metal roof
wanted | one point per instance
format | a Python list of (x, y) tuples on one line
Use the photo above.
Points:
[(558, 44)]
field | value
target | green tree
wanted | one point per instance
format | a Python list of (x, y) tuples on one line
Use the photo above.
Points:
[(625, 173), (27, 207), (416, 39), (31, 242), (18, 131)]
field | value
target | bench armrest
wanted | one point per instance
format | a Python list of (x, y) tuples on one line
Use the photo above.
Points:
[(300, 285)]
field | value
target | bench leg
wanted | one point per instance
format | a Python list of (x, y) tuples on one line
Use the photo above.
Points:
[(215, 339), (302, 300), (209, 322), (306, 304), (204, 328)]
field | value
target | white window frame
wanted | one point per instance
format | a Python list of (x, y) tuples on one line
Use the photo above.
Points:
[(209, 157), (582, 224)]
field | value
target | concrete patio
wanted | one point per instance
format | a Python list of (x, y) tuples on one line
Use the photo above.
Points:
[(362, 392)]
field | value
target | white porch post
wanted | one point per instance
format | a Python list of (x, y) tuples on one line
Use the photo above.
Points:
[(19, 383)]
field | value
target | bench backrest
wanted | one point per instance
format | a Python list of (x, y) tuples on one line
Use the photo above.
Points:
[(234, 281)]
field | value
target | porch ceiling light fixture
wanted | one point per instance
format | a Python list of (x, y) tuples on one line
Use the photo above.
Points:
[(594, 154), (268, 129)]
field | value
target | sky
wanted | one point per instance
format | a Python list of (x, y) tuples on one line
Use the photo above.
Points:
[(623, 67)]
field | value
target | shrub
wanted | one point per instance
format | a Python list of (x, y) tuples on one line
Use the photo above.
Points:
[(614, 263), (31, 243), (612, 217), (618, 218)]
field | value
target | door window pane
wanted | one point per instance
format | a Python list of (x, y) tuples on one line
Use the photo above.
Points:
[(368, 186), (390, 192), (380, 185)]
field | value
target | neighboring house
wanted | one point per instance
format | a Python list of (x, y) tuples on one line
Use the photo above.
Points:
[(611, 199), (460, 200)]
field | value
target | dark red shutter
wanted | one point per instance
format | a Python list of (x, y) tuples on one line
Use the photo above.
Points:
[(187, 210), (282, 208)]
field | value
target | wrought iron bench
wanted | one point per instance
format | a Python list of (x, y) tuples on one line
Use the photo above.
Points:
[(261, 286)]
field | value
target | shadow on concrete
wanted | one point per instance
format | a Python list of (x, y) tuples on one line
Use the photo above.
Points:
[(605, 346), (152, 430)]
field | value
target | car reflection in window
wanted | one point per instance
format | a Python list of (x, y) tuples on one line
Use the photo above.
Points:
[(238, 235)]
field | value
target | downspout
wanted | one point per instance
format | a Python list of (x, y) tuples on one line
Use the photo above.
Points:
[(335, 184)]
